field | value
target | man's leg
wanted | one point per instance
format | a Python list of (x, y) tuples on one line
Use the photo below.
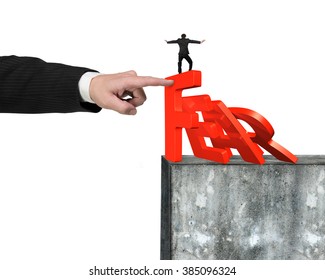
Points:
[(180, 58), (190, 62)]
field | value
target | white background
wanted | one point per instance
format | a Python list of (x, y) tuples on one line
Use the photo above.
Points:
[(78, 190)]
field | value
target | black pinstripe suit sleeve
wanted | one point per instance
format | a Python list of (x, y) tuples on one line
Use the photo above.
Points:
[(31, 85)]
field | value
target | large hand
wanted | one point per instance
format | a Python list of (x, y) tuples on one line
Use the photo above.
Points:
[(110, 90)]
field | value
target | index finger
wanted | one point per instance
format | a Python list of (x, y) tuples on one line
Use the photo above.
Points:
[(145, 81)]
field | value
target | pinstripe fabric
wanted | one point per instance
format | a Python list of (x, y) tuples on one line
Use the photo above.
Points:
[(30, 85)]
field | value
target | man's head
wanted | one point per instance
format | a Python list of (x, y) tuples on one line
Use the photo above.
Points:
[(183, 36)]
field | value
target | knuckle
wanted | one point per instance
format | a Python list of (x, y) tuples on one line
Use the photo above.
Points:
[(133, 73)]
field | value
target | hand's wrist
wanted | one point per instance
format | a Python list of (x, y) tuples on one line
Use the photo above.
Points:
[(84, 86)]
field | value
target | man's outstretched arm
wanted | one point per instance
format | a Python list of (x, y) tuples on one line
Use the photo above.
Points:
[(197, 42), (31, 85)]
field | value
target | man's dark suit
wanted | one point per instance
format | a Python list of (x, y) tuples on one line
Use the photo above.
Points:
[(30, 85), (183, 51)]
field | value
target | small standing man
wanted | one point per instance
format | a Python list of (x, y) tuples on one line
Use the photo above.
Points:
[(183, 50)]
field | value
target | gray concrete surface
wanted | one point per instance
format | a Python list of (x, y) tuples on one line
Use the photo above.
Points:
[(243, 211)]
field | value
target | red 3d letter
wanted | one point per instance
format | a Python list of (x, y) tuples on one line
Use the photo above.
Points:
[(175, 118), (263, 133)]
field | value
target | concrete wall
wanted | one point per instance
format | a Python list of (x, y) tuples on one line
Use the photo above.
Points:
[(242, 210)]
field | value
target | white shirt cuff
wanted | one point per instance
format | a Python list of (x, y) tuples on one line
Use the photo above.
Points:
[(84, 85)]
